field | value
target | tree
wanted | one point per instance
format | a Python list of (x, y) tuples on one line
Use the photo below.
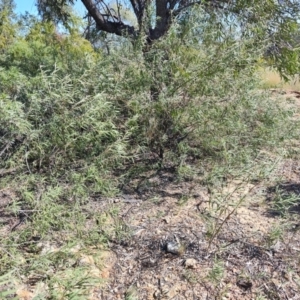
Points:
[(154, 17), (8, 5), (7, 26), (271, 23), (30, 45)]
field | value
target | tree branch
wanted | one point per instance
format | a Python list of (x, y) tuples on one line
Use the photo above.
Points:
[(118, 28)]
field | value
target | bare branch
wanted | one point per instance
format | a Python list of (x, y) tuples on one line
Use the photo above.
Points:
[(118, 28)]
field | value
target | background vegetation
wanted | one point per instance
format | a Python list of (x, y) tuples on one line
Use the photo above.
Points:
[(78, 123)]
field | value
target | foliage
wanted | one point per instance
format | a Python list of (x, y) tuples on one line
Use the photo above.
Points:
[(273, 23), (87, 121), (7, 29), (77, 125), (31, 45)]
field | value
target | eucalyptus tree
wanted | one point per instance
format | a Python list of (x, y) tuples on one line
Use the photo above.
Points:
[(8, 5), (153, 18)]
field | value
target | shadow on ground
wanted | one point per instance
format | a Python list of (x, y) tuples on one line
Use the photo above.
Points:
[(284, 198)]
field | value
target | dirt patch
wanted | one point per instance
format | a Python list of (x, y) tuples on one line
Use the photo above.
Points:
[(232, 258)]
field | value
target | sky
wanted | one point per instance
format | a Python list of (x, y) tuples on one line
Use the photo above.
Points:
[(25, 5), (29, 5)]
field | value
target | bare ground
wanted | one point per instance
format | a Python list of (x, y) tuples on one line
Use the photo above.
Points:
[(235, 259)]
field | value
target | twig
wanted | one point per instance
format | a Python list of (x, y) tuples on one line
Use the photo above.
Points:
[(229, 215), (9, 171), (27, 163), (5, 148), (28, 210)]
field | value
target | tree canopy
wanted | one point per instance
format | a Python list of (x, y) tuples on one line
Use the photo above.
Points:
[(272, 22), (154, 17)]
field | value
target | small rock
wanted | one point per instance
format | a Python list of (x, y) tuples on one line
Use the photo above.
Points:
[(175, 248), (157, 294), (86, 260), (167, 220), (46, 248), (190, 263), (276, 247)]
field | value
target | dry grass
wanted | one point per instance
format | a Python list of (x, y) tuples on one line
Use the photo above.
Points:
[(272, 79)]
